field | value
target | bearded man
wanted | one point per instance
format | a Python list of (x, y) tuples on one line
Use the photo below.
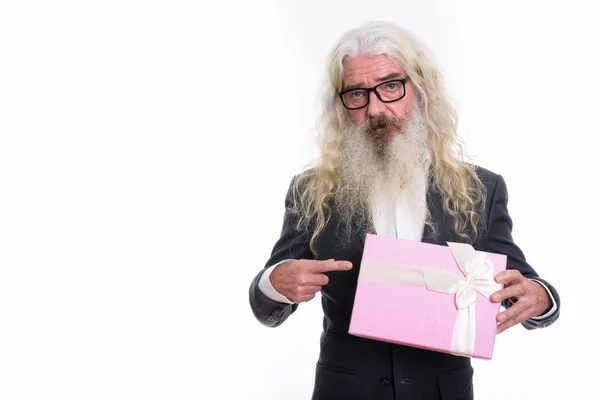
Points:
[(391, 163)]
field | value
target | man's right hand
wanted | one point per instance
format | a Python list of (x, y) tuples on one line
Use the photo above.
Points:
[(300, 280)]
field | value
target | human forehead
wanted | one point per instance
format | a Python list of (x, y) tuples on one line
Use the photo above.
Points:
[(370, 70)]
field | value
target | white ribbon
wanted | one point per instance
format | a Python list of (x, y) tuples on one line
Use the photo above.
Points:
[(478, 276)]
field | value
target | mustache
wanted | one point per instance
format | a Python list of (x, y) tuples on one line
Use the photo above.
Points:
[(381, 122)]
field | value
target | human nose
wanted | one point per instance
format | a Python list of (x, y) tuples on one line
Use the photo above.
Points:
[(375, 107)]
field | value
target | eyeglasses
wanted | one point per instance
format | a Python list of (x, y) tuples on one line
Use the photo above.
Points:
[(386, 92)]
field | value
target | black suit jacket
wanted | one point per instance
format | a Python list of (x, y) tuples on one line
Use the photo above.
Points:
[(356, 368)]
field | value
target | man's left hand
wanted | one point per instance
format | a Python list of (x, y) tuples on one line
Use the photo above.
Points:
[(529, 297)]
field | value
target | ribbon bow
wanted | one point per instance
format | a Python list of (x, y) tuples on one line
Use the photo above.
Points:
[(478, 277)]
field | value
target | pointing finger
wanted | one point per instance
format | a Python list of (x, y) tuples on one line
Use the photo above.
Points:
[(332, 265)]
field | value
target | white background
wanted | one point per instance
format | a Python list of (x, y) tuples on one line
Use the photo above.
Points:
[(145, 151)]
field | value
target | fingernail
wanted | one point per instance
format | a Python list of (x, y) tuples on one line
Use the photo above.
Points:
[(349, 265), (495, 297), (501, 318)]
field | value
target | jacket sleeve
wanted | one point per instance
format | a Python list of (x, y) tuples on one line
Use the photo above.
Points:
[(498, 239), (292, 244)]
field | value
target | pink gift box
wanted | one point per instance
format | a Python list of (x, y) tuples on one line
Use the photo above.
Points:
[(427, 296)]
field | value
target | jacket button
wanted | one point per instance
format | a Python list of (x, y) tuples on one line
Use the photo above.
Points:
[(547, 323), (386, 381), (275, 315)]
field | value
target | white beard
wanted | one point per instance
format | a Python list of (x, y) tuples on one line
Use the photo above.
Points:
[(369, 169)]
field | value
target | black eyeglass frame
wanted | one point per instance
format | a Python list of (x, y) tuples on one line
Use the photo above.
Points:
[(374, 89)]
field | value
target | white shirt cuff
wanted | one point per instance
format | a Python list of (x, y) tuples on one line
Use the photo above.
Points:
[(552, 309), (264, 284)]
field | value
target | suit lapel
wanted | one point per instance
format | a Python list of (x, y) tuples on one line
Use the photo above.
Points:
[(438, 218), (361, 235)]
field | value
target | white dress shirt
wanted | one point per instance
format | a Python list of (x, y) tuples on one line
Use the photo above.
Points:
[(402, 218)]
